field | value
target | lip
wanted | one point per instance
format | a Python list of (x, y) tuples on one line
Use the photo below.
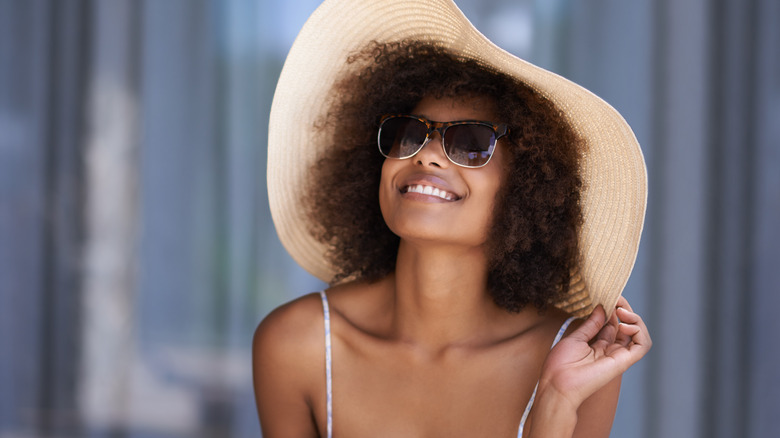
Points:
[(430, 181)]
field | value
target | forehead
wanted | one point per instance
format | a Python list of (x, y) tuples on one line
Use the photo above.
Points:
[(448, 109)]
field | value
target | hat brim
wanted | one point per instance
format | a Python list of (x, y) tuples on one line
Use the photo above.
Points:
[(615, 192)]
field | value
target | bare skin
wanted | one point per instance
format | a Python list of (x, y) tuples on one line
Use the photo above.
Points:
[(425, 352)]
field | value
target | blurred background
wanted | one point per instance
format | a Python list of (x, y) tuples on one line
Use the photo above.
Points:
[(137, 253)]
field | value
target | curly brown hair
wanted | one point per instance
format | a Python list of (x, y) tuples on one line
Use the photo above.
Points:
[(532, 246)]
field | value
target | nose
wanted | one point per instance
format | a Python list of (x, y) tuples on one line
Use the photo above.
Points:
[(432, 154)]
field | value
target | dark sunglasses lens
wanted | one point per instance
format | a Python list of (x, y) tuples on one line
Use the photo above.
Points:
[(401, 137), (469, 144)]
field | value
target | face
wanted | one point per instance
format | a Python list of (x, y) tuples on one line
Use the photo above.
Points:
[(459, 208)]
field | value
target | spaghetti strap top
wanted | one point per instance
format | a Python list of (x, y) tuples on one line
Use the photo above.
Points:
[(328, 366), (530, 404), (329, 370)]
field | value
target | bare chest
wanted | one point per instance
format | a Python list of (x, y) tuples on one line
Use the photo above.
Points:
[(385, 389)]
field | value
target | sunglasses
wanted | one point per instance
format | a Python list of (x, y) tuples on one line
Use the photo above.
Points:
[(467, 143)]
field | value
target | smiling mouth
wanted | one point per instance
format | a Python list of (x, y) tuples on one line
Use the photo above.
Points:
[(430, 190)]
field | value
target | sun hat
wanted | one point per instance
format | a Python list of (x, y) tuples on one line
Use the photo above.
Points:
[(614, 195)]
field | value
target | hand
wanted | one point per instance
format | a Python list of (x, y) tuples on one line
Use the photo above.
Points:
[(593, 355)]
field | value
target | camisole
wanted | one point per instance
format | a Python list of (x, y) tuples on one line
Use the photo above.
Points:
[(329, 370)]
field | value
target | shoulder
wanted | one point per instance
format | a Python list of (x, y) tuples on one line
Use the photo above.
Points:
[(292, 331), (288, 353)]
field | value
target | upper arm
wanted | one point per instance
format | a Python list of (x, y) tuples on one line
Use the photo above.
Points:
[(286, 352), (596, 414)]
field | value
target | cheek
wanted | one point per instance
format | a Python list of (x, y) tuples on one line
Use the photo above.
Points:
[(491, 185), (385, 188), (500, 175), (489, 180)]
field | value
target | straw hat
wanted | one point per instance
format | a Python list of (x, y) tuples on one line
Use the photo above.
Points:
[(613, 169)]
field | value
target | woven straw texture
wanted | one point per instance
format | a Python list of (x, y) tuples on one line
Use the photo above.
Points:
[(613, 168)]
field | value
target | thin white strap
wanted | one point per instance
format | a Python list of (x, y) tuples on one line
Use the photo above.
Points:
[(530, 404), (328, 366)]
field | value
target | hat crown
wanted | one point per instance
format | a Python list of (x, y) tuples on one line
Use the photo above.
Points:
[(614, 195)]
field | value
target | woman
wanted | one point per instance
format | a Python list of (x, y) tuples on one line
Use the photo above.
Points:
[(501, 201)]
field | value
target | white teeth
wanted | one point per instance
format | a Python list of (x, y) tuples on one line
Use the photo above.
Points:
[(428, 190)]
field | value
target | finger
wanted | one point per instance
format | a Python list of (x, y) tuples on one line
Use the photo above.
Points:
[(628, 331), (639, 346), (627, 316), (591, 327), (632, 329), (609, 332), (628, 319), (623, 302), (623, 337), (641, 338)]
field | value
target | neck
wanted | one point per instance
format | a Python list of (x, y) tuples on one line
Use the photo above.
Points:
[(441, 298)]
